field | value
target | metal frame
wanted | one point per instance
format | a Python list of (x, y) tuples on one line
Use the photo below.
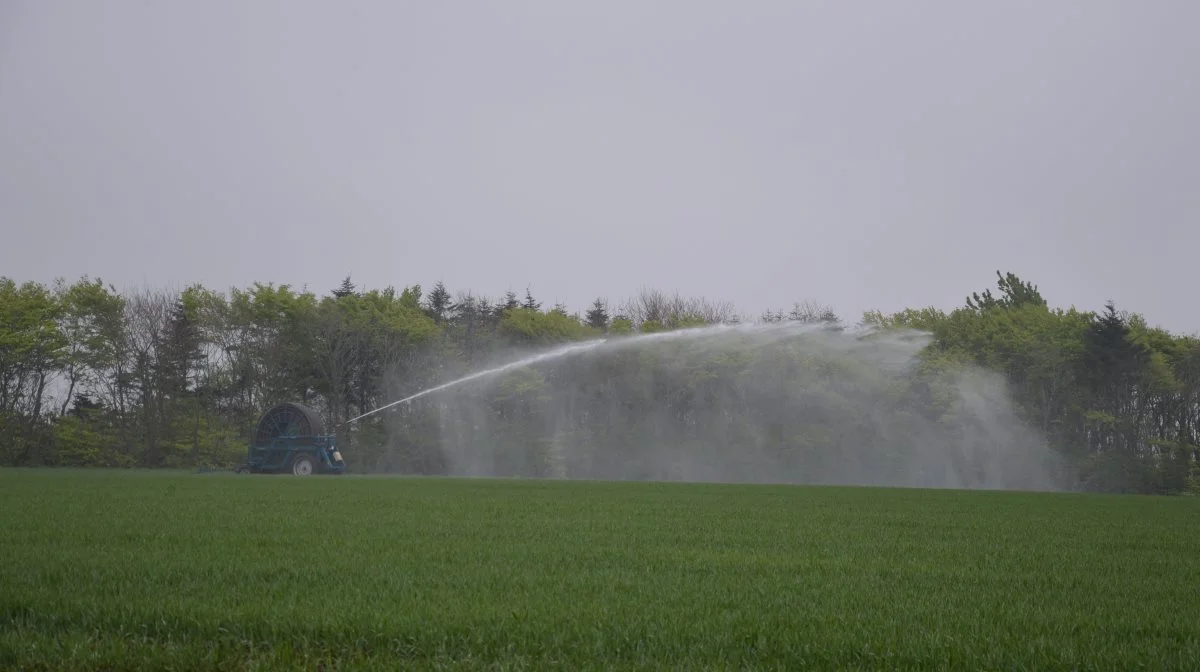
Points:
[(271, 453)]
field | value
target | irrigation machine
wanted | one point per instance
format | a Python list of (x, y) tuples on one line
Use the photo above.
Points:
[(290, 438)]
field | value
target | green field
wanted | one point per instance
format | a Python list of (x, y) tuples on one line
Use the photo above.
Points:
[(141, 570)]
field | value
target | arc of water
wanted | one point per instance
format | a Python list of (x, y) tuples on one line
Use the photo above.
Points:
[(588, 345), (553, 354)]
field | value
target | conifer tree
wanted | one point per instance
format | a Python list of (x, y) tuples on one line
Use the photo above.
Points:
[(510, 302), (438, 306), (597, 316), (345, 289), (529, 303)]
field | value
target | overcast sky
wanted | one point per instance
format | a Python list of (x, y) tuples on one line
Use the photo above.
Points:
[(864, 154)]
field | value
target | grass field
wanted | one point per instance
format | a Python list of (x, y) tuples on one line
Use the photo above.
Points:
[(138, 570)]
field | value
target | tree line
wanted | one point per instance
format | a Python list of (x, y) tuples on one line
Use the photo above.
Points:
[(90, 376)]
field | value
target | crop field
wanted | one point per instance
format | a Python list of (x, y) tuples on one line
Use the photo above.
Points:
[(147, 570)]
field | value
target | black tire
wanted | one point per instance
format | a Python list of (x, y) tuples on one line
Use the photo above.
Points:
[(303, 465)]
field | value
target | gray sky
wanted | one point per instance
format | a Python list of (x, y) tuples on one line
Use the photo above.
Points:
[(864, 154)]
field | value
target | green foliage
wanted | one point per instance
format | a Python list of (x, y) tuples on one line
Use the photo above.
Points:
[(241, 573), (1109, 391), (32, 345), (528, 326), (1014, 293), (179, 378)]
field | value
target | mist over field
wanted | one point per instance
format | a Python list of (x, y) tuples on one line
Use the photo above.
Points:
[(757, 403)]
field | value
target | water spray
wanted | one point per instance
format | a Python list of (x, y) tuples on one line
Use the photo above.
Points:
[(798, 403), (553, 354), (697, 332)]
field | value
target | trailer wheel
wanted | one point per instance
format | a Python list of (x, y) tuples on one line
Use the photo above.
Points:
[(302, 465)]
